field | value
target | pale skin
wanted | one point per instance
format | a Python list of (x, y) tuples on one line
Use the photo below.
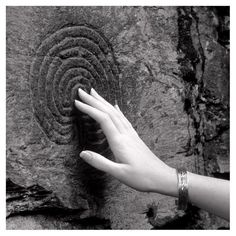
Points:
[(138, 167)]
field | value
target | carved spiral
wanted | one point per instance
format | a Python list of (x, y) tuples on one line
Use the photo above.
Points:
[(72, 57)]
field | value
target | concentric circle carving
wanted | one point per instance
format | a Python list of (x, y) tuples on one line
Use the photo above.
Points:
[(72, 57)]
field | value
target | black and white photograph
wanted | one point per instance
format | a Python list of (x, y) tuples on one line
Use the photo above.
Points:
[(117, 117)]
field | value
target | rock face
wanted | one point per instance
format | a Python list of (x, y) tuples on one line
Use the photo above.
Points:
[(168, 69)]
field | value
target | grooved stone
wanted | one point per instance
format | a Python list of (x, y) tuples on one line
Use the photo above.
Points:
[(129, 54), (72, 57)]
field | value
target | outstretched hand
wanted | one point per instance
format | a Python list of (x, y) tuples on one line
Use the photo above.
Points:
[(135, 166)]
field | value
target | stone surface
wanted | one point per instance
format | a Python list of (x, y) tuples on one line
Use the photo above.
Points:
[(168, 69)]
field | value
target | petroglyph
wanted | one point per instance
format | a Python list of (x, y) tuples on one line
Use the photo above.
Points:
[(73, 57)]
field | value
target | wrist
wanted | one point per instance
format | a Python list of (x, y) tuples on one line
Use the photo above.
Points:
[(167, 182), (172, 183)]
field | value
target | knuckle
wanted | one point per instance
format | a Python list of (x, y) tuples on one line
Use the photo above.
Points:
[(105, 118), (121, 139), (112, 111), (118, 138), (115, 112)]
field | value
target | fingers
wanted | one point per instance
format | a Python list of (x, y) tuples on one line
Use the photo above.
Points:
[(128, 124), (103, 119), (96, 101), (100, 162), (124, 120), (98, 97)]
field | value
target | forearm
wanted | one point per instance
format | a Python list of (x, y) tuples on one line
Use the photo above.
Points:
[(207, 193), (136, 165), (210, 194)]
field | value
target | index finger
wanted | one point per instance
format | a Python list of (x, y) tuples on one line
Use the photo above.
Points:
[(102, 118)]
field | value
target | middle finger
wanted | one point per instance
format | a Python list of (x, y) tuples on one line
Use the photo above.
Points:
[(90, 100)]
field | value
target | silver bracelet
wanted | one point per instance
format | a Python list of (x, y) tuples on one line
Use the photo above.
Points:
[(182, 188)]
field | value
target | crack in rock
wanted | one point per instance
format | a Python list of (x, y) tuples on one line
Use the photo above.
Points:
[(34, 199)]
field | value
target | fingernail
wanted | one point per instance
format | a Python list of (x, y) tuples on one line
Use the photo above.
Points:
[(78, 104), (93, 90), (81, 90), (85, 154), (117, 107)]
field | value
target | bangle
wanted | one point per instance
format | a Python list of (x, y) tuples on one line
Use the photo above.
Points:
[(182, 188)]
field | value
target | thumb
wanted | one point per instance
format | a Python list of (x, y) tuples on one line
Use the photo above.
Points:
[(100, 162)]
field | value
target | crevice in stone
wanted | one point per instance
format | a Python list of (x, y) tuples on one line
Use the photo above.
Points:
[(200, 48), (222, 24), (188, 56), (34, 200), (209, 114), (225, 175), (92, 223), (189, 59), (199, 103)]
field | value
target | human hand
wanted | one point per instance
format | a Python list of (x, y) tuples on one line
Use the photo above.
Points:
[(136, 165)]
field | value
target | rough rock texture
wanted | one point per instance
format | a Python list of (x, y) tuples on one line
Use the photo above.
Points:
[(168, 69)]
